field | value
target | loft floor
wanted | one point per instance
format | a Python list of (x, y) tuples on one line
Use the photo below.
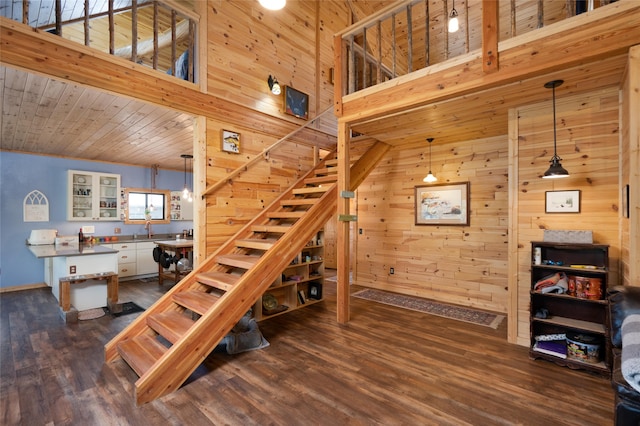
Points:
[(387, 366)]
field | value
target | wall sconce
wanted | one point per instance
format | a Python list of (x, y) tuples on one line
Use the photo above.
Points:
[(186, 194), (274, 86), (430, 178), (272, 4), (454, 25), (556, 170)]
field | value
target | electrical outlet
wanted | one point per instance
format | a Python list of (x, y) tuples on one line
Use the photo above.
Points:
[(360, 231), (117, 230), (72, 269), (392, 271)]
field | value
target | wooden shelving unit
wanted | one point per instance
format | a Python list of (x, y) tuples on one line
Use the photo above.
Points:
[(573, 312), (299, 285)]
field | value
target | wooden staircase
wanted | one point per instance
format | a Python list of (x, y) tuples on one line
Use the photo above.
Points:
[(168, 341)]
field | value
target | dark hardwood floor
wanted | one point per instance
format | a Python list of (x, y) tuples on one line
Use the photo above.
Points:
[(388, 366)]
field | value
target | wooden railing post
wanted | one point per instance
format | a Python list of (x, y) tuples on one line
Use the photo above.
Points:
[(490, 30)]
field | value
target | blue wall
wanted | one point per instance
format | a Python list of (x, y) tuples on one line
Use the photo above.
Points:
[(21, 173)]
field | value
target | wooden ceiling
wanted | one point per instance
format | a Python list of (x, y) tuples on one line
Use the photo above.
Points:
[(485, 114), (45, 116)]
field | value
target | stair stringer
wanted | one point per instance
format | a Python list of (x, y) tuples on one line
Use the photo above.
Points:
[(185, 355), (189, 282)]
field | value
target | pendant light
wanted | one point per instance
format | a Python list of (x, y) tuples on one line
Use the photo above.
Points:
[(430, 178), (272, 4), (186, 194), (454, 25), (556, 170)]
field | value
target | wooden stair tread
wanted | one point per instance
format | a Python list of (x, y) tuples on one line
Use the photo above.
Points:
[(310, 190), (196, 301), (218, 279), (321, 179), (238, 260), (171, 325), (278, 229), (286, 215), (256, 243), (298, 202), (141, 352)]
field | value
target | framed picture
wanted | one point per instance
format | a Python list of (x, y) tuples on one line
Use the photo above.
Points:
[(625, 201), (315, 290), (562, 201), (442, 204), (296, 103), (231, 142)]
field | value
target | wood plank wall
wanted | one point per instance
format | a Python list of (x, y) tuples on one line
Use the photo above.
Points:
[(455, 264), (469, 265), (246, 44), (588, 143)]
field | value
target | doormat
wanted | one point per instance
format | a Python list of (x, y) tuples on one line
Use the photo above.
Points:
[(459, 313), (90, 314), (127, 308)]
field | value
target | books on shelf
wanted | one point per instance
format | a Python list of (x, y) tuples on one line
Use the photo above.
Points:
[(556, 348)]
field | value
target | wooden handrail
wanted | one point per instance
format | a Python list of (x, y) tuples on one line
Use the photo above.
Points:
[(214, 187)]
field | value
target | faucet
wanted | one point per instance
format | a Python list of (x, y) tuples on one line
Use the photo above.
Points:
[(147, 226)]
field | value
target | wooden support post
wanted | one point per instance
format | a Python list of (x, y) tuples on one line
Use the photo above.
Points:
[(339, 74), (489, 36), (342, 246)]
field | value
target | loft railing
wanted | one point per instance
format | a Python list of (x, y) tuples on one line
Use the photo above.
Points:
[(409, 35), (146, 32)]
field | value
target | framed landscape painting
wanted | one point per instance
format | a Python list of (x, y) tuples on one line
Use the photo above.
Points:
[(442, 204)]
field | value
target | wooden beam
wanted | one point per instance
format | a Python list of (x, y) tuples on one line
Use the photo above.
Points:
[(365, 164), (490, 30), (342, 245)]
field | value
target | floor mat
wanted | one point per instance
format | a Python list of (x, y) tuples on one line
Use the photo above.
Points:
[(459, 313), (127, 308), (90, 314)]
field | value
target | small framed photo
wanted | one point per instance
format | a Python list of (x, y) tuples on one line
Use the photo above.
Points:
[(315, 291), (442, 204), (231, 141), (562, 201), (296, 103)]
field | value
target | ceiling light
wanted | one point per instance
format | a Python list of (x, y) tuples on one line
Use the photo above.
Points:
[(186, 194), (556, 170), (274, 85), (430, 178), (272, 4), (454, 25)]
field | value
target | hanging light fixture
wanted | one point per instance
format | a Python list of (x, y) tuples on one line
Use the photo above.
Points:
[(430, 178), (556, 170), (454, 25), (274, 86), (272, 4), (186, 194)]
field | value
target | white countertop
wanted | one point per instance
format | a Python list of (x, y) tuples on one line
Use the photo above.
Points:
[(66, 251)]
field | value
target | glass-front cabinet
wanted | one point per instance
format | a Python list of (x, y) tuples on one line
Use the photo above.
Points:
[(93, 196)]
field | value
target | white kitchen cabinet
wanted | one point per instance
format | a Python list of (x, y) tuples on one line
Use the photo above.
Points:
[(180, 209), (93, 196), (144, 254), (127, 259)]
